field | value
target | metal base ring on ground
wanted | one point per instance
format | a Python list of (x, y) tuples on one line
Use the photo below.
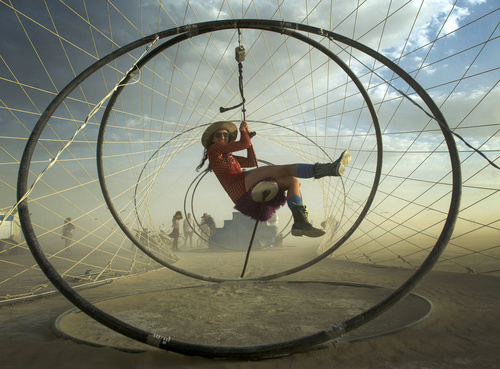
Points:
[(302, 310)]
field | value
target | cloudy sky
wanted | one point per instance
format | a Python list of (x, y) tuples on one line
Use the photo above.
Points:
[(307, 108)]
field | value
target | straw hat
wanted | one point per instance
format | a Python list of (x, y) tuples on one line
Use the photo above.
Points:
[(214, 127)]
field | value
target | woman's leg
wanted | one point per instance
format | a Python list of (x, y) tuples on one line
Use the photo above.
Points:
[(317, 170), (286, 177), (277, 172)]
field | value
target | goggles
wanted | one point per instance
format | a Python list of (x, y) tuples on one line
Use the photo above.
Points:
[(221, 134)]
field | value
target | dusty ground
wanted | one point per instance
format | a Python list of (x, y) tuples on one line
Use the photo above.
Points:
[(463, 331)]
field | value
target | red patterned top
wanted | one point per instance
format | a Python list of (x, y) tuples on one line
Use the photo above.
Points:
[(227, 167)]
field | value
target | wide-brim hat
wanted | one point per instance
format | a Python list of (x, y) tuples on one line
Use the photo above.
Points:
[(214, 127)]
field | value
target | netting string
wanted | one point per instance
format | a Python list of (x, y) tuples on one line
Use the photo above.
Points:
[(441, 124), (90, 115)]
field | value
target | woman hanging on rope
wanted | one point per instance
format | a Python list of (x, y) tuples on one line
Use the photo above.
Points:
[(219, 140)]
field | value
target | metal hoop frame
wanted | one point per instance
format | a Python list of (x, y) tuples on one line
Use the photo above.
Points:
[(202, 30), (270, 350)]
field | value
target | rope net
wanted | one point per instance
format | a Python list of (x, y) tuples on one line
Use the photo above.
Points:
[(302, 105)]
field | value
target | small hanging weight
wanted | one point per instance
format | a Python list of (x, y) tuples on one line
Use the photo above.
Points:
[(239, 54)]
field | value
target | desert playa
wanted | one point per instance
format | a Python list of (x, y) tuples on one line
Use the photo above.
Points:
[(460, 329), (104, 106)]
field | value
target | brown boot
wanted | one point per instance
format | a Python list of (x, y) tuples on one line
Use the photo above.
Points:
[(301, 225)]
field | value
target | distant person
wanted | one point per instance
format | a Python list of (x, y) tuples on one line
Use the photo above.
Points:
[(209, 221), (67, 232), (188, 227), (204, 229), (273, 222), (278, 238), (175, 229)]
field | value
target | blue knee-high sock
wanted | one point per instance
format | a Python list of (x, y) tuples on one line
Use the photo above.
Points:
[(305, 171), (294, 201)]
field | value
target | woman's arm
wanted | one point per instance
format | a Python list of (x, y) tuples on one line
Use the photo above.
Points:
[(250, 161), (242, 144)]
